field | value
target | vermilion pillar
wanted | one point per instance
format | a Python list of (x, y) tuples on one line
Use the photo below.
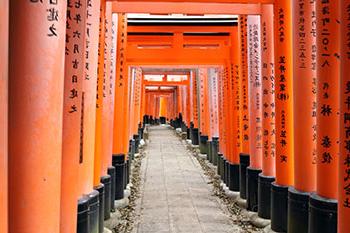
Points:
[(268, 113), (213, 115), (107, 170), (234, 116), (284, 114), (99, 97), (244, 104), (4, 20), (72, 116), (107, 94), (304, 85), (255, 111), (120, 127), (204, 121), (121, 82), (344, 156), (195, 131), (99, 159), (35, 114), (86, 166), (323, 204)]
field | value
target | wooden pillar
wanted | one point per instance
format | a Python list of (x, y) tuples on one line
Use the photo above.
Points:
[(284, 114), (72, 151), (244, 101), (255, 111), (4, 43), (304, 88), (268, 113), (99, 97), (36, 85), (244, 104), (120, 87), (323, 203), (107, 94), (204, 119), (86, 166), (344, 158)]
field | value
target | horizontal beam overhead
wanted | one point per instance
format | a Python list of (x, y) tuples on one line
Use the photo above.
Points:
[(187, 7)]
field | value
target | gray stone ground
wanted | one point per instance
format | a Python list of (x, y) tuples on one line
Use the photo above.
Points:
[(176, 196)]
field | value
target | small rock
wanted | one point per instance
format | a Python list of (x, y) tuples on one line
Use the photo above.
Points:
[(106, 230), (122, 203)]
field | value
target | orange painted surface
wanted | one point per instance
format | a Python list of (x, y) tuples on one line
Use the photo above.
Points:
[(4, 27), (328, 72), (86, 168), (204, 115), (99, 96), (163, 111), (344, 156), (268, 91), (235, 97), (244, 103), (226, 128), (107, 110), (328, 86), (188, 7), (195, 99), (35, 116), (304, 85), (255, 91), (72, 151), (284, 92), (121, 81), (188, 104), (230, 112)]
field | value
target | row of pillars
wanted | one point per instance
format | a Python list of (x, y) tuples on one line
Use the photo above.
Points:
[(70, 121), (278, 115)]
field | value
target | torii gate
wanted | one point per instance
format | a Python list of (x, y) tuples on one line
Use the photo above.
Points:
[(49, 53)]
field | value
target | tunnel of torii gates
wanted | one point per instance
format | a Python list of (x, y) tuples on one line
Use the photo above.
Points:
[(267, 97)]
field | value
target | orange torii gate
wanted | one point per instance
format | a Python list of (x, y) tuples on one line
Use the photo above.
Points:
[(47, 89)]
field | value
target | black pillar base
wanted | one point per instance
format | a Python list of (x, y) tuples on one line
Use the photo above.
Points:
[(101, 190), (188, 133), (83, 215), (209, 154), (223, 175), (264, 196), (140, 131), (252, 188), (111, 172), (106, 181), (118, 162), (195, 136), (127, 172), (203, 144), (227, 173), (214, 150), (279, 207), (298, 211), (137, 142), (244, 162), (94, 210), (191, 131), (219, 167), (234, 177), (322, 214), (132, 149)]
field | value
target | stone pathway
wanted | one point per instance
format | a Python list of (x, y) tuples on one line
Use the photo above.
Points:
[(176, 196)]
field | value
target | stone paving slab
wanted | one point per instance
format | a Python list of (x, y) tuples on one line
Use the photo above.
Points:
[(175, 195)]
